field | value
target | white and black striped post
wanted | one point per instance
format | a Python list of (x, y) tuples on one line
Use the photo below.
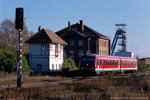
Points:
[(19, 67), (19, 27)]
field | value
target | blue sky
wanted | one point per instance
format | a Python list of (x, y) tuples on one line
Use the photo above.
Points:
[(101, 15)]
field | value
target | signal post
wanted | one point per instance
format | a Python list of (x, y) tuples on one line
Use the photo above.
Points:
[(19, 27)]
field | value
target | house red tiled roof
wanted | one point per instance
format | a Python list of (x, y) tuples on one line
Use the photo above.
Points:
[(46, 36)]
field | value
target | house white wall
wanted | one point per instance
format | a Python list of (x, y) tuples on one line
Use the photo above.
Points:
[(56, 59), (43, 57)]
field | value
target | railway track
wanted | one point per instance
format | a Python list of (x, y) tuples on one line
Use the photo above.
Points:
[(78, 79)]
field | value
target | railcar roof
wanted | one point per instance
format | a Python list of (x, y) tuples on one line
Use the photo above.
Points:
[(93, 55)]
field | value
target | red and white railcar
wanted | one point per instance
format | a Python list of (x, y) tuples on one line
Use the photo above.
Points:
[(99, 63)]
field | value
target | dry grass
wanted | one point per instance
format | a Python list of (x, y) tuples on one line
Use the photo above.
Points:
[(95, 89), (6, 78)]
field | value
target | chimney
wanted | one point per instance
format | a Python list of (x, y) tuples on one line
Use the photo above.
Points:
[(81, 25), (69, 27), (40, 28)]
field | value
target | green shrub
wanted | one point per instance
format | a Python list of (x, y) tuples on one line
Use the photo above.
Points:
[(25, 66), (142, 67), (68, 65), (8, 62)]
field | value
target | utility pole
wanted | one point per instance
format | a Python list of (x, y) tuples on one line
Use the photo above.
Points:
[(19, 27), (89, 45)]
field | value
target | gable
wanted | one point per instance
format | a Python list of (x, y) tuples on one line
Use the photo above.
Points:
[(86, 33), (46, 36), (72, 34), (40, 37)]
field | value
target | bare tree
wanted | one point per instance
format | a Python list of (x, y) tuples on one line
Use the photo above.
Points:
[(9, 36)]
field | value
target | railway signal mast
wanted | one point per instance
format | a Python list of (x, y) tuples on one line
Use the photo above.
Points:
[(19, 27)]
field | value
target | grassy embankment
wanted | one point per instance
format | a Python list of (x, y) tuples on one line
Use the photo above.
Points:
[(85, 90)]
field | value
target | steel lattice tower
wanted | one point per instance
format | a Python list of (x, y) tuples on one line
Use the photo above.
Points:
[(122, 38)]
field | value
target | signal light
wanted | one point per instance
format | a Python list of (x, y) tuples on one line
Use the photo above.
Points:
[(19, 19)]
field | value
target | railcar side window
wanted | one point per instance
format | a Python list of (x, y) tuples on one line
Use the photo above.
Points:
[(131, 62), (116, 62), (100, 62), (108, 62), (113, 62), (125, 63)]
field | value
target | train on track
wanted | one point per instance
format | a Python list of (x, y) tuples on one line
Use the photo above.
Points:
[(104, 64)]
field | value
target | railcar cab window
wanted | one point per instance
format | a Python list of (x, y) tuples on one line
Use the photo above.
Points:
[(88, 61)]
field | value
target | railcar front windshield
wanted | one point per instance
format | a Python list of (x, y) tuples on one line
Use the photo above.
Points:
[(87, 61)]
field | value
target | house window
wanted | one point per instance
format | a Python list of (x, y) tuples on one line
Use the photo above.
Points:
[(59, 66), (72, 42), (81, 42), (59, 48), (104, 43), (81, 53), (45, 46), (100, 52), (56, 66), (56, 50), (72, 53), (52, 66)]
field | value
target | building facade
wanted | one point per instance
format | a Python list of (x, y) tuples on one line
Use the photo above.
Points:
[(83, 40), (45, 51)]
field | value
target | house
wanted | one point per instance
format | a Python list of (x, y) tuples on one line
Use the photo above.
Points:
[(83, 40), (45, 51)]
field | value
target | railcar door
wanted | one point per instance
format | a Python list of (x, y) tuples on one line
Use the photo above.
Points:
[(99, 67), (99, 63), (102, 64)]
